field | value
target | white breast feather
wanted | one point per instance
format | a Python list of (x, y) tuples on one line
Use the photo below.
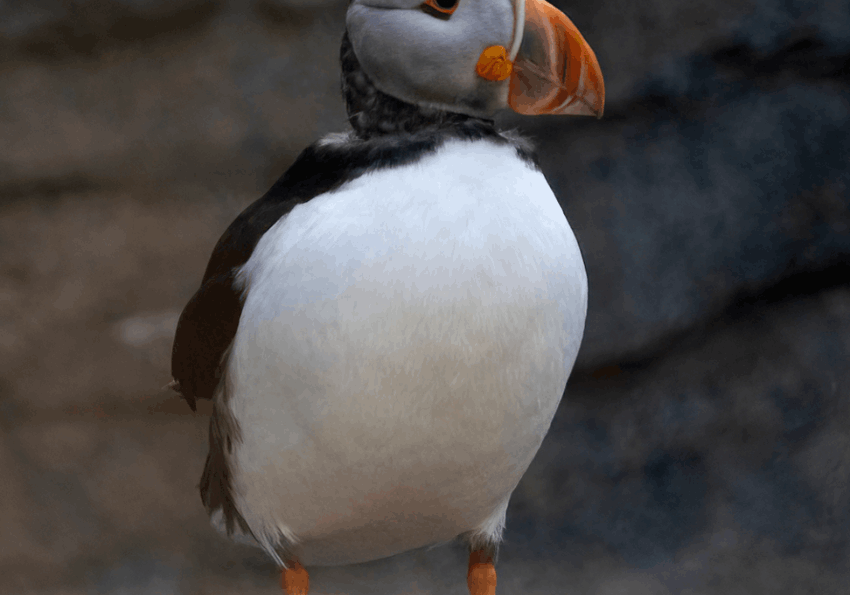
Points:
[(404, 343)]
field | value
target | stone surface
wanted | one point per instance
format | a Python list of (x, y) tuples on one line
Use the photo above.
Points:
[(220, 102), (57, 28), (722, 442), (685, 205)]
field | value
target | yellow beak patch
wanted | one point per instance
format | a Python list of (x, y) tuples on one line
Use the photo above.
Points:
[(494, 64)]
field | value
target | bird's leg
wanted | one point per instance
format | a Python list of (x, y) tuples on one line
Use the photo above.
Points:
[(294, 579), (481, 578)]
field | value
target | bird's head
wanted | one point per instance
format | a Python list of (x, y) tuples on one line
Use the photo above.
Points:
[(476, 57)]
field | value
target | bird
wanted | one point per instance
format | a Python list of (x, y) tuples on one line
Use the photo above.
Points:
[(386, 334)]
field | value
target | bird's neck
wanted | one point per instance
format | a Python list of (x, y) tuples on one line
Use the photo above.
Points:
[(373, 113)]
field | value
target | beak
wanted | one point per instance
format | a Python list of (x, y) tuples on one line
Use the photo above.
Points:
[(555, 72)]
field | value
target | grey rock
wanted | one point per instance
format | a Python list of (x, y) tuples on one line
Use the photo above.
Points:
[(285, 5), (742, 431), (139, 575), (686, 204), (89, 29), (19, 18)]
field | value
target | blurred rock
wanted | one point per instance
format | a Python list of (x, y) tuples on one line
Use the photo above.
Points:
[(286, 5), (78, 266), (17, 19), (693, 202), (639, 44), (58, 29), (217, 109), (742, 428), (634, 42), (88, 491), (773, 23), (142, 330)]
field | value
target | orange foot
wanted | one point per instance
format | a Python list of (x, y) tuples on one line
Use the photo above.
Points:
[(295, 580), (481, 578)]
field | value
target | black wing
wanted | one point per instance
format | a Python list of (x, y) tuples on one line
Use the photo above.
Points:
[(209, 321)]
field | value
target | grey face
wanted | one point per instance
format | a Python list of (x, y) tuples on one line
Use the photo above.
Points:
[(429, 60)]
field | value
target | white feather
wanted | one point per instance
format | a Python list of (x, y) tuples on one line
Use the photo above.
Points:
[(404, 344)]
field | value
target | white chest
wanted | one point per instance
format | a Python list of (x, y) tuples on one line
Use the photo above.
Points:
[(403, 346)]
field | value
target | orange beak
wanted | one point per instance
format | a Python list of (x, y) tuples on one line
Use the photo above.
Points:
[(555, 71)]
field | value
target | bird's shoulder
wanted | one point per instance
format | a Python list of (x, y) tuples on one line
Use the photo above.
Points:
[(209, 321)]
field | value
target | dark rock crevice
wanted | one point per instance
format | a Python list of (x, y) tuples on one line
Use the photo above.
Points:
[(746, 305)]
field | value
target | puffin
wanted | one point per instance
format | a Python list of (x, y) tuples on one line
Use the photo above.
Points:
[(386, 334)]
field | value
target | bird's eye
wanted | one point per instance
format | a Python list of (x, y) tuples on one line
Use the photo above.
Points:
[(442, 7)]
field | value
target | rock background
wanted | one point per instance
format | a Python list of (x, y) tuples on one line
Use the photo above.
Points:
[(704, 443)]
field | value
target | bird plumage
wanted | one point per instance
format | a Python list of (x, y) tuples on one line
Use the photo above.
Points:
[(387, 332), (398, 361)]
